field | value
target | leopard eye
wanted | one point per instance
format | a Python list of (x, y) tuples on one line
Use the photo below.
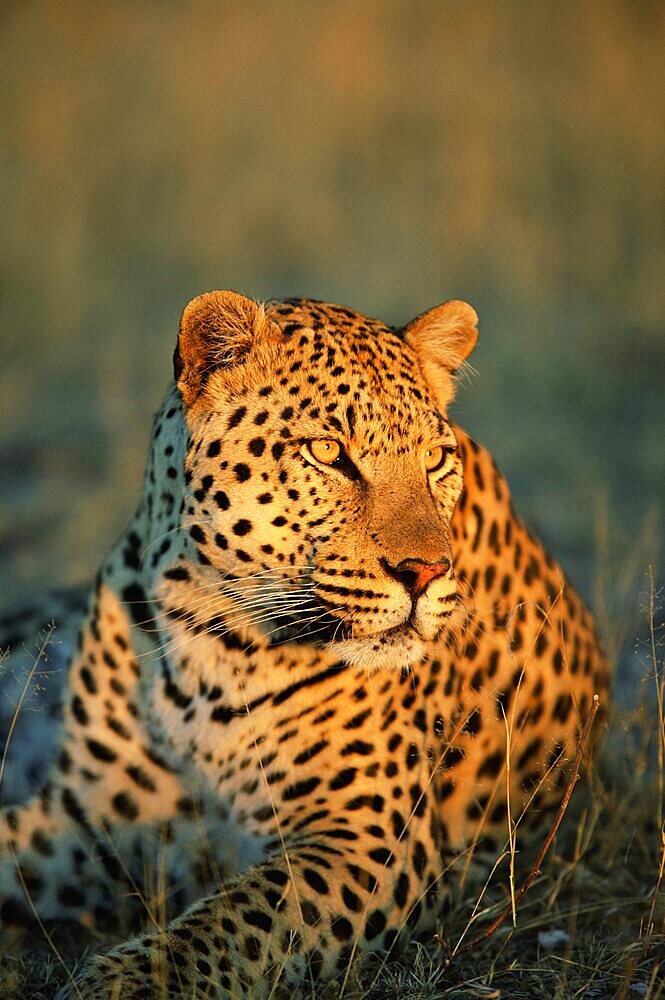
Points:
[(325, 450), (435, 458)]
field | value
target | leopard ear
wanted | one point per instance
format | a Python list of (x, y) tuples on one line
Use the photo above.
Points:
[(217, 331), (443, 337)]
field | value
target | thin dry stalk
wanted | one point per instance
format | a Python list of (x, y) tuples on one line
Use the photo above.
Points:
[(659, 678), (24, 694), (512, 839), (535, 868), (43, 929)]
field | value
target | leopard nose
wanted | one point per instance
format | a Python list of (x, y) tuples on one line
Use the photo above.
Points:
[(416, 574)]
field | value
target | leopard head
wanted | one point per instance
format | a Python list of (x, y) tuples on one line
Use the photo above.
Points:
[(321, 471)]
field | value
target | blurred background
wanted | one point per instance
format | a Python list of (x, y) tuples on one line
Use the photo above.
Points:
[(386, 154)]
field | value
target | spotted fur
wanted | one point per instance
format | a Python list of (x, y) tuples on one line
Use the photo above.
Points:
[(285, 707)]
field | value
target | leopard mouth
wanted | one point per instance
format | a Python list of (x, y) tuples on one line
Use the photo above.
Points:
[(399, 645)]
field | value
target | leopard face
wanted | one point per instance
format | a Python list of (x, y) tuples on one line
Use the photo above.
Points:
[(321, 474)]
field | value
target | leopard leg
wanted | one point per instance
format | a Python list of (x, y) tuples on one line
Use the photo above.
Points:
[(299, 917), (47, 868)]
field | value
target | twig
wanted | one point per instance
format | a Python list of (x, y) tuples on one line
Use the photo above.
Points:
[(47, 633), (42, 927), (547, 843)]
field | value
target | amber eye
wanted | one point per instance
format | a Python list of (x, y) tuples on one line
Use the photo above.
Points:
[(325, 450), (436, 457)]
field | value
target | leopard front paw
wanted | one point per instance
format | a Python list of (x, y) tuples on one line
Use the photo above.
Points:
[(125, 973), (151, 967)]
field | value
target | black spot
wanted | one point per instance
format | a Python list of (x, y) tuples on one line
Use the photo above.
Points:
[(276, 875), (363, 878), (257, 446), (252, 948), (351, 900), (452, 757), (140, 778), (412, 756), (177, 573), (73, 808), (310, 913), (174, 694), (491, 766), (41, 843), (357, 746), (257, 918), (236, 417), (101, 752), (419, 859), (242, 527), (473, 724), (376, 922), (69, 895), (214, 449), (477, 678), (310, 752), (78, 711), (529, 751), (541, 644), (342, 928), (221, 500), (223, 713), (350, 418), (203, 967), (562, 707), (135, 598), (373, 802), (401, 889), (420, 720), (382, 856), (118, 727), (343, 778), (242, 472), (315, 881), (125, 805), (300, 788)]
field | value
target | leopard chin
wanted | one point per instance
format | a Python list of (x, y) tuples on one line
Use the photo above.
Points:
[(395, 649)]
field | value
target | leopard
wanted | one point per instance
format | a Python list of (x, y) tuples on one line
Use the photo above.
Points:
[(326, 661)]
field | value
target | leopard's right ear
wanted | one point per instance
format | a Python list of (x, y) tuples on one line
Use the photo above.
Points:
[(217, 331)]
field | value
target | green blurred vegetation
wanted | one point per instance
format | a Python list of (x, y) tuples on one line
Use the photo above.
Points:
[(388, 155)]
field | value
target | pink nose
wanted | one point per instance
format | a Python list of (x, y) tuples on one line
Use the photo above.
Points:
[(416, 574)]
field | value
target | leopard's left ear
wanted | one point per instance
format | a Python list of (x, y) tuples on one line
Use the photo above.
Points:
[(443, 337), (217, 331)]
